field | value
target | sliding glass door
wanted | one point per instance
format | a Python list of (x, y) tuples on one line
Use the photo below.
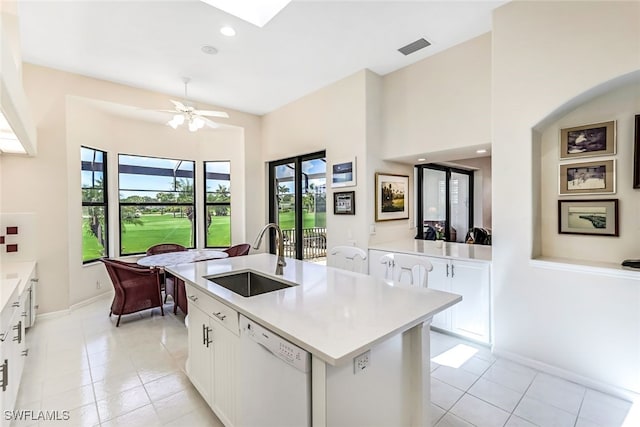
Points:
[(297, 203)]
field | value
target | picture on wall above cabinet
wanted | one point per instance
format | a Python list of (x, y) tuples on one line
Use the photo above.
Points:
[(594, 217), (344, 203), (588, 178), (636, 155), (598, 139), (343, 174), (392, 197)]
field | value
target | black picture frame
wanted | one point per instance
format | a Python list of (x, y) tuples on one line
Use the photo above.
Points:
[(344, 203), (594, 217), (636, 155)]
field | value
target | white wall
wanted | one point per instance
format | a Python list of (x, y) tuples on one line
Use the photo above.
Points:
[(331, 119), (440, 103), (587, 324), (49, 183)]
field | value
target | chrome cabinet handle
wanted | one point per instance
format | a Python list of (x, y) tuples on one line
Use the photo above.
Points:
[(219, 315), (447, 270), (193, 298), (452, 270), (5, 374), (16, 304), (209, 341), (25, 353), (204, 338), (18, 327), (35, 280)]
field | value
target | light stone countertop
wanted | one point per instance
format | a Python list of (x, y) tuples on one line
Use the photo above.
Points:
[(433, 248), (12, 275), (332, 313)]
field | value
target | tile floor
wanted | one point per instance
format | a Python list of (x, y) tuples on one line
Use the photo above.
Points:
[(134, 375)]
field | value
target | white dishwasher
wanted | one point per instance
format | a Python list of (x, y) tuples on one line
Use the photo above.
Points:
[(275, 380)]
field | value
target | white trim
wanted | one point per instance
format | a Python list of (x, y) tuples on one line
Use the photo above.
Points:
[(90, 300), (61, 313), (568, 375), (600, 268)]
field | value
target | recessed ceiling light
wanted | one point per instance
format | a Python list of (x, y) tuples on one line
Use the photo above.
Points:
[(421, 159), (209, 50), (227, 31), (481, 151)]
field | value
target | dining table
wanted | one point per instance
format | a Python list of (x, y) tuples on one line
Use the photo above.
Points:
[(181, 257)]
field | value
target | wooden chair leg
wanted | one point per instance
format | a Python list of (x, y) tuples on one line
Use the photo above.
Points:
[(118, 322)]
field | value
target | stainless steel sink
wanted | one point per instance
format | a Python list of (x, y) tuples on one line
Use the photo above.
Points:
[(248, 283)]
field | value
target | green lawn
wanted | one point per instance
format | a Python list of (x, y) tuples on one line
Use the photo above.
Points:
[(166, 228), (309, 220)]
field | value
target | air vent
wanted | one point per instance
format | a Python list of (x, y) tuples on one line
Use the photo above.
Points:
[(414, 46)]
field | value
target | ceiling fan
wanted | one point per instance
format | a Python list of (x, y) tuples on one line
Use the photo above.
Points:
[(185, 113)]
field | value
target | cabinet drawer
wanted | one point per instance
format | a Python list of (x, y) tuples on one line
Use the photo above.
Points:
[(213, 308)]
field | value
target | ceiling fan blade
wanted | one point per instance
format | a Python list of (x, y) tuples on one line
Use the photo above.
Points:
[(168, 111), (211, 123), (209, 113), (179, 105)]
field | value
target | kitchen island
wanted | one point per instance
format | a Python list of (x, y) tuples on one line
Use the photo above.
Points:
[(335, 315)]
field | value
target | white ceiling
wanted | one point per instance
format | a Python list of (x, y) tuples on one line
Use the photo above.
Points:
[(152, 44)]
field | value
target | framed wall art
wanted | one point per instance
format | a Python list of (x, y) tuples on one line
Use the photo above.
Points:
[(636, 155), (598, 139), (344, 203), (392, 197), (598, 217), (596, 177), (343, 174)]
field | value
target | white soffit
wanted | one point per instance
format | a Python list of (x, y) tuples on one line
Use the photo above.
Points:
[(256, 12)]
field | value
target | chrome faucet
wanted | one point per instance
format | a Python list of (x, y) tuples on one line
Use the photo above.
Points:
[(280, 248)]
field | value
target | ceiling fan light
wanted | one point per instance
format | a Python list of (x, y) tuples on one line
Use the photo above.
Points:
[(178, 119), (192, 126), (172, 123), (198, 122)]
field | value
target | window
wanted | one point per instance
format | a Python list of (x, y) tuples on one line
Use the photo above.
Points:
[(157, 203), (94, 204), (445, 202), (217, 179)]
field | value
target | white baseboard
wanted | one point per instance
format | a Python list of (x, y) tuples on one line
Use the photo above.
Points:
[(61, 313), (91, 300), (569, 375)]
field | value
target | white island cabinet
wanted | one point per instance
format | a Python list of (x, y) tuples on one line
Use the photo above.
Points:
[(459, 268), (343, 320)]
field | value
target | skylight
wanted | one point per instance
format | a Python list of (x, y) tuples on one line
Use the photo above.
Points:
[(256, 12)]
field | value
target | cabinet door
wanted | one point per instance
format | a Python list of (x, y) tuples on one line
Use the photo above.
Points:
[(376, 268), (199, 365), (225, 345), (439, 279), (471, 316)]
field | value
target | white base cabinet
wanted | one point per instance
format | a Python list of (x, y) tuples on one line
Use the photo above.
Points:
[(213, 346), (17, 315), (470, 318)]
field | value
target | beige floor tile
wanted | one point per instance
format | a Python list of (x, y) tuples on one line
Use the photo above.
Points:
[(145, 416), (122, 403)]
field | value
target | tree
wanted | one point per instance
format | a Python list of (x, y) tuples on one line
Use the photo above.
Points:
[(184, 188), (95, 220), (165, 198)]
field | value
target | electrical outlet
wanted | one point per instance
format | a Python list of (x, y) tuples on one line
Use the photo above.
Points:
[(360, 363)]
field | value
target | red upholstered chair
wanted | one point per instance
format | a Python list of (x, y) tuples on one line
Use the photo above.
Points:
[(163, 248), (179, 294), (238, 250), (137, 288)]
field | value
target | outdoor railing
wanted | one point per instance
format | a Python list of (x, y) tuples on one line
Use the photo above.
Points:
[(314, 242)]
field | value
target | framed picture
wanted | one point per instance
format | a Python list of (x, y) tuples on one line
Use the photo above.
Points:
[(344, 203), (392, 197), (594, 217), (588, 178), (343, 174), (598, 139), (636, 155)]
